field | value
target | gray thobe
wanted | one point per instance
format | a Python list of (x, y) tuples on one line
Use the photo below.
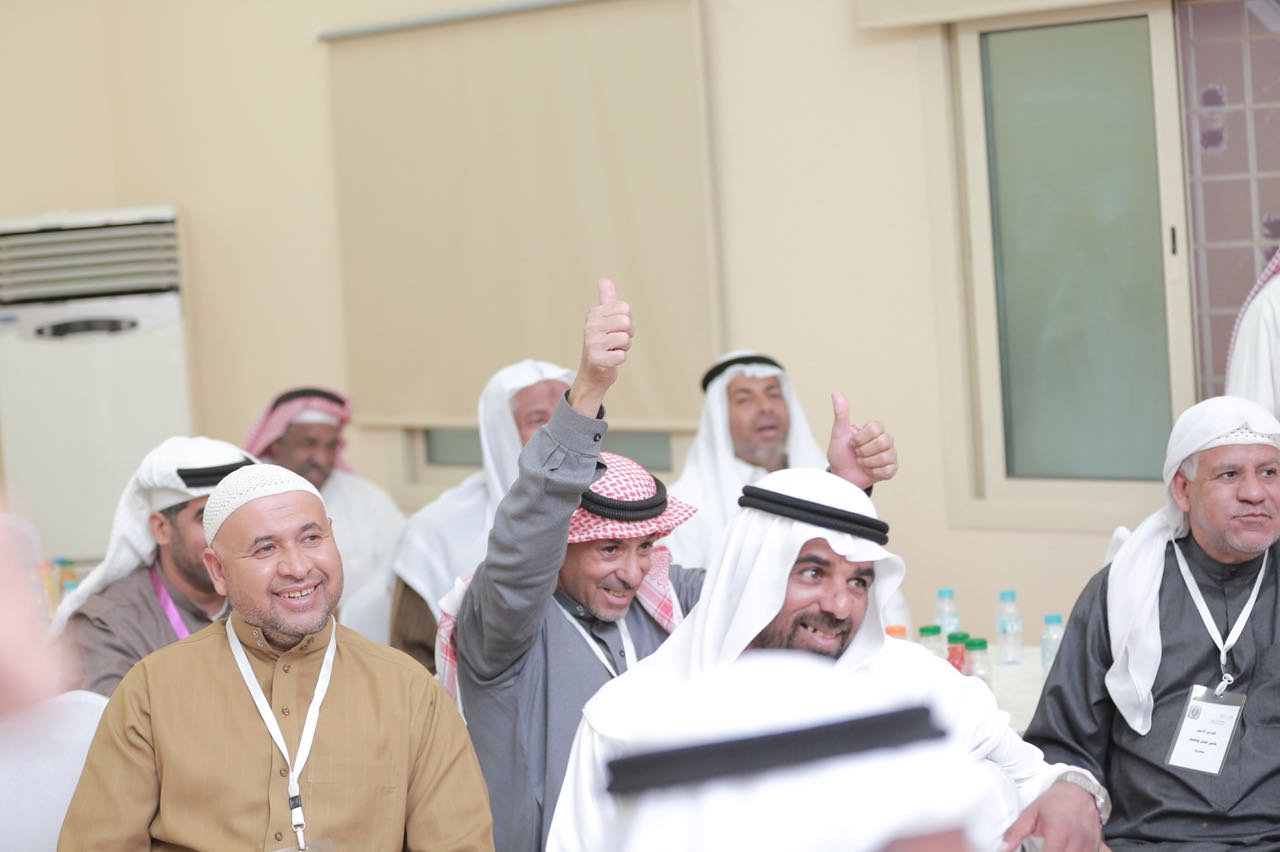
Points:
[(1157, 805), (123, 623), (524, 671)]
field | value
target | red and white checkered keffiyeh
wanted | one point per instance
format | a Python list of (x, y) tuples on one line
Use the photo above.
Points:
[(277, 416), (1272, 269), (626, 480)]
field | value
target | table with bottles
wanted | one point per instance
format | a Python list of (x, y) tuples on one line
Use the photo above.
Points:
[(1017, 686)]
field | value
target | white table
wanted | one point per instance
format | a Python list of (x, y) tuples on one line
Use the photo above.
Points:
[(1017, 687)]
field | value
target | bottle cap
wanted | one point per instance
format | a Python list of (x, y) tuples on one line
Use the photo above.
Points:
[(897, 631), (930, 630), (1053, 619), (946, 592), (957, 638), (1008, 595), (975, 644)]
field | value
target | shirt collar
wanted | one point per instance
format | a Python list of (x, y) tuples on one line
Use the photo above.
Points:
[(252, 639), (1200, 562), (183, 602)]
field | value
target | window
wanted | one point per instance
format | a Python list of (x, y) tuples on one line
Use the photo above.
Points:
[(1077, 290)]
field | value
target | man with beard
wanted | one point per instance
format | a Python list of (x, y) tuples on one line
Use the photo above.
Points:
[(445, 540), (275, 728), (1145, 691), (751, 425), (151, 588), (301, 430), (803, 567)]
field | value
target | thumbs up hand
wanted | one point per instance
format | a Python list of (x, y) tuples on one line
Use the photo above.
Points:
[(606, 338), (862, 453)]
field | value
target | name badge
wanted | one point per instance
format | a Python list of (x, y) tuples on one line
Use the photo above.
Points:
[(1208, 723)]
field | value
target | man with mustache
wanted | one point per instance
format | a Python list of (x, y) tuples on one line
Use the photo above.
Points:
[(151, 587), (301, 430), (275, 728), (803, 567), (751, 425), (1167, 683)]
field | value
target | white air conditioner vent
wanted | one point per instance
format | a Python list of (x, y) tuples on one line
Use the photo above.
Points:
[(93, 253)]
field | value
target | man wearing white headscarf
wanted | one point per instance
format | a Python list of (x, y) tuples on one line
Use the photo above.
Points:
[(752, 424), (1253, 355), (1165, 644), (445, 540), (275, 728), (151, 587), (803, 567), (302, 430), (43, 735), (825, 760)]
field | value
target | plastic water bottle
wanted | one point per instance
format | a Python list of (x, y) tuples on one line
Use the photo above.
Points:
[(976, 661), (945, 613), (931, 640), (1008, 629), (955, 649), (1050, 639)]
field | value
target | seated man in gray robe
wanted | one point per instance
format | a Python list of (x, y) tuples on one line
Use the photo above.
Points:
[(1165, 644), (151, 588)]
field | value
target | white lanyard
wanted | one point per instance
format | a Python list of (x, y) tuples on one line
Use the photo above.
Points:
[(1214, 632), (273, 727), (628, 649)]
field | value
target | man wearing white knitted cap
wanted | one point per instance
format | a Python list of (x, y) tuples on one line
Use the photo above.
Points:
[(803, 567), (276, 728), (1167, 683), (445, 540), (151, 588)]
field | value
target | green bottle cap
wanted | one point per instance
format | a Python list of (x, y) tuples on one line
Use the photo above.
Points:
[(957, 638), (930, 630), (975, 644)]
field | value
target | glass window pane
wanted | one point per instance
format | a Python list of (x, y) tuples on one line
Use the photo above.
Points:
[(454, 446), (1078, 250)]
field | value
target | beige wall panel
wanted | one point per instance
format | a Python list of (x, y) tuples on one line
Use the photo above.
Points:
[(489, 172), (828, 258), (54, 149), (222, 110)]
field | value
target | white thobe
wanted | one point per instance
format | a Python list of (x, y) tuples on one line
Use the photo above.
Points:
[(366, 526), (1254, 371), (588, 819), (42, 750)]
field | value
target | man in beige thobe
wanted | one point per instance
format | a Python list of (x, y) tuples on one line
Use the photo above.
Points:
[(187, 758)]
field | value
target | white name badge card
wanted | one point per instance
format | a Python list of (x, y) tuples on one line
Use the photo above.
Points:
[(1208, 723)]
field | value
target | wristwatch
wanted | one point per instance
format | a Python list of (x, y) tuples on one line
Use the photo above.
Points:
[(1101, 797)]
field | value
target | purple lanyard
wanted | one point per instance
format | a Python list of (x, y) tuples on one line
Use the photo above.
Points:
[(166, 604)]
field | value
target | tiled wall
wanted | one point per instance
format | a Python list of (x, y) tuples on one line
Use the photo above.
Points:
[(1230, 64)]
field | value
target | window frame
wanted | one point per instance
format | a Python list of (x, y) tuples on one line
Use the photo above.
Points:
[(982, 493)]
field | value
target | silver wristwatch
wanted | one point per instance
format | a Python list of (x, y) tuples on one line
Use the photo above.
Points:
[(1101, 797)]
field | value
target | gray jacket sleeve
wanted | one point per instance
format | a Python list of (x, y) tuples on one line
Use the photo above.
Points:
[(1072, 722), (507, 600)]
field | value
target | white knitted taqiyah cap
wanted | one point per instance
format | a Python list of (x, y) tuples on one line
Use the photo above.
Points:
[(246, 484)]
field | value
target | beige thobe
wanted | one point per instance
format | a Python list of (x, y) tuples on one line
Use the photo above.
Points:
[(182, 760)]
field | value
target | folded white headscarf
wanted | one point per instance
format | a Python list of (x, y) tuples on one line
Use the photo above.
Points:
[(1133, 587), (843, 803), (157, 485)]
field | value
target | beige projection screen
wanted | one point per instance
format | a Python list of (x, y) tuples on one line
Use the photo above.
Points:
[(489, 171)]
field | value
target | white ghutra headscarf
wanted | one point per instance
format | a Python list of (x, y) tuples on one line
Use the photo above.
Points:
[(178, 470), (1133, 587), (713, 476), (445, 540)]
